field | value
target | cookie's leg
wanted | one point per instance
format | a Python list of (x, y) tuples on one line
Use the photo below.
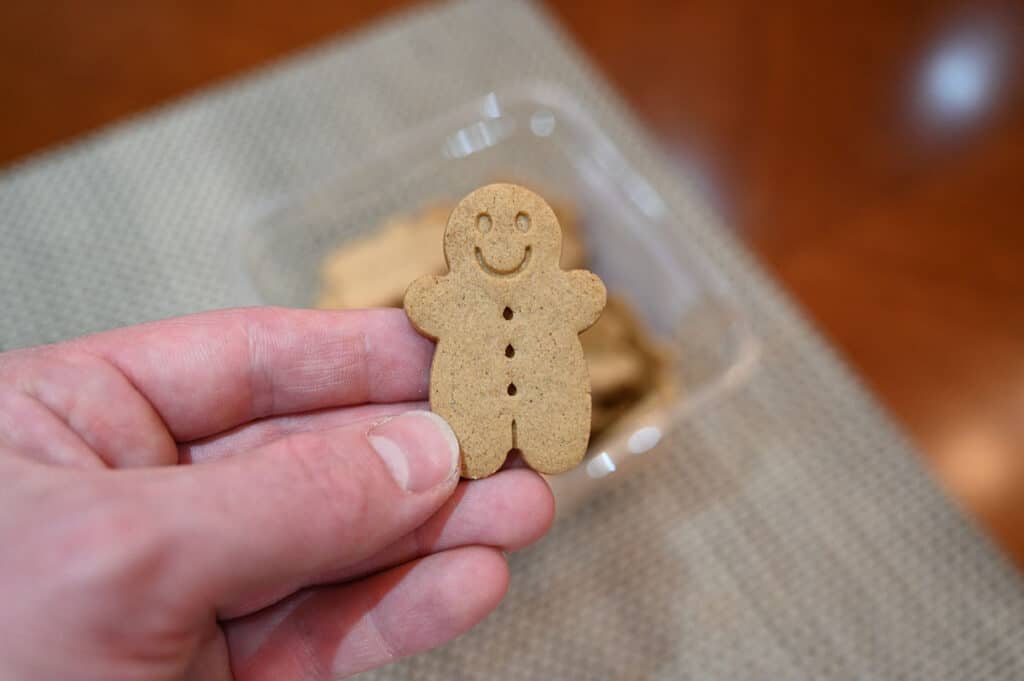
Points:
[(485, 441), (553, 434)]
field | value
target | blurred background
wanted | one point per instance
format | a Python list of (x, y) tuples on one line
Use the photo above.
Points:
[(871, 155)]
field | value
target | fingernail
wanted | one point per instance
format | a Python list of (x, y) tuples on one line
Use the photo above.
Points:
[(419, 449)]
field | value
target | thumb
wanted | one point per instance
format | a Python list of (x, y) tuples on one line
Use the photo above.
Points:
[(253, 528)]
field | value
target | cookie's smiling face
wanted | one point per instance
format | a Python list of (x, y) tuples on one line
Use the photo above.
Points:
[(502, 258), (502, 230)]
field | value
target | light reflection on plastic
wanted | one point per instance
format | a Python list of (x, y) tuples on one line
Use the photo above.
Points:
[(489, 106), (644, 439), (600, 466), (542, 123), (646, 199), (477, 137), (961, 76)]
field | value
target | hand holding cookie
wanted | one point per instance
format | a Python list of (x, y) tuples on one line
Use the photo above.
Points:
[(509, 373), (247, 494)]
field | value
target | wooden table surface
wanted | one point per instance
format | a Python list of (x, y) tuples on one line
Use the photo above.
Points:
[(872, 155)]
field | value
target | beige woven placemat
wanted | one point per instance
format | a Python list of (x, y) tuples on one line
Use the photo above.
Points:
[(789, 534)]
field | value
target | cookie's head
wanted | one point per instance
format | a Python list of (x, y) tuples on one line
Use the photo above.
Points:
[(502, 230)]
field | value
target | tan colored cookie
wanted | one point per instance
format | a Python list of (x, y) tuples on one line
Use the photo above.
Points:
[(508, 372), (613, 372), (374, 271), (629, 371)]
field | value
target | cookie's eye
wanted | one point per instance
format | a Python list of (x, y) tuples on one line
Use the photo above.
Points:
[(523, 222), (483, 222)]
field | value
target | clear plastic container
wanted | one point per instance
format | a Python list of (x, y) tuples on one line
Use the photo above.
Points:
[(539, 136)]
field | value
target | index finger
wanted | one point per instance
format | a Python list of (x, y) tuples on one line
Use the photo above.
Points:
[(208, 372)]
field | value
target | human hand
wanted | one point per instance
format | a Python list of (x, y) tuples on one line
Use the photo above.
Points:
[(223, 496)]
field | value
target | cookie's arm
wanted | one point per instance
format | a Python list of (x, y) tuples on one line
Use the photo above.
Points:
[(426, 305), (590, 296)]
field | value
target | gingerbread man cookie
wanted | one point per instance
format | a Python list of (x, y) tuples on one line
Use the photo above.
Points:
[(508, 373)]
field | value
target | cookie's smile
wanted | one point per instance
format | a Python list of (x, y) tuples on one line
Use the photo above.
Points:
[(500, 272)]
